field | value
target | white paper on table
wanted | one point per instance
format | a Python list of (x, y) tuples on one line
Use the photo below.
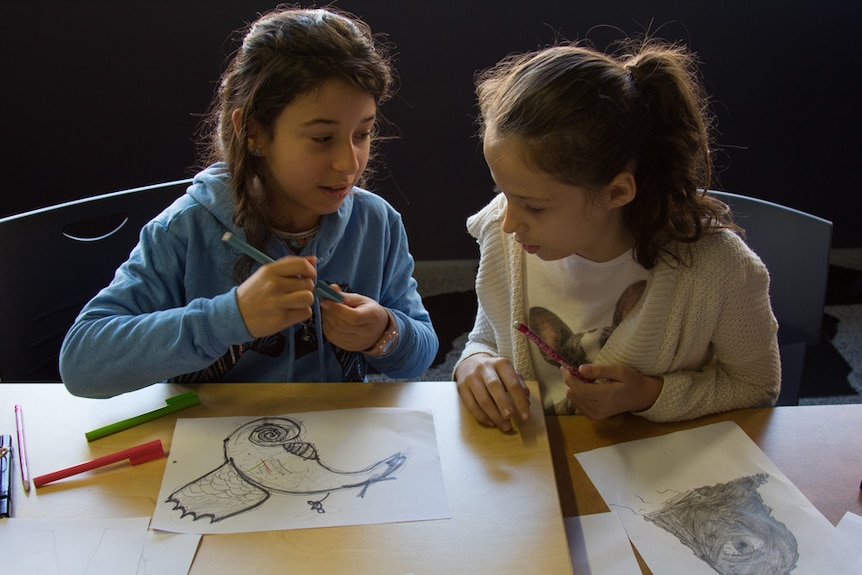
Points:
[(850, 528), (168, 553), (715, 475), (72, 546), (598, 545), (314, 469)]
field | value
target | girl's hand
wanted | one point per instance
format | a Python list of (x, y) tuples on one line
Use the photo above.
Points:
[(355, 324), (618, 389), (277, 295), (492, 391)]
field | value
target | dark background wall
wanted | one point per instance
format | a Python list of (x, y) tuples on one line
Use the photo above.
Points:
[(105, 95)]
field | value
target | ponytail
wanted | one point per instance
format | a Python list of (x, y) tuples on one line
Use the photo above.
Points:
[(674, 166)]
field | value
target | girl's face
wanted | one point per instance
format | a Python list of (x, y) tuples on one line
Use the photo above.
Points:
[(318, 151), (554, 220)]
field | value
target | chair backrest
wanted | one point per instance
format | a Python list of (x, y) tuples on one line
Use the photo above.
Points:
[(795, 247), (54, 259)]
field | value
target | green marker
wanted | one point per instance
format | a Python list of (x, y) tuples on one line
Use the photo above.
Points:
[(177, 403)]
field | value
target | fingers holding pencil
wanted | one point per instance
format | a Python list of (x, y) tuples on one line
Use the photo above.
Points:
[(277, 295), (270, 300)]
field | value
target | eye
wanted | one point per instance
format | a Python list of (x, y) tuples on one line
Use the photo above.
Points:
[(532, 210), (366, 132), (740, 545), (322, 139)]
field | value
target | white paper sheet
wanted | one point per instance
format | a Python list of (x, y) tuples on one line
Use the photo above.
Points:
[(598, 545), (850, 528), (72, 546), (714, 488), (168, 553), (315, 469)]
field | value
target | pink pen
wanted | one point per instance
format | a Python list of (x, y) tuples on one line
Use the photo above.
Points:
[(551, 352)]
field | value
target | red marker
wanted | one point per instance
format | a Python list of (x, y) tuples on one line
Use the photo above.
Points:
[(551, 352), (135, 455)]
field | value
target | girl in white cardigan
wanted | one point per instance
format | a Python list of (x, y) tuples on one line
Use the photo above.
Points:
[(601, 242)]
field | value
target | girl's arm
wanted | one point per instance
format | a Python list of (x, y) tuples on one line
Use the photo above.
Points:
[(140, 330), (417, 342), (745, 369)]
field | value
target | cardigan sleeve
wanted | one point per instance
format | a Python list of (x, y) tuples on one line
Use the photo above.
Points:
[(728, 304), (490, 334)]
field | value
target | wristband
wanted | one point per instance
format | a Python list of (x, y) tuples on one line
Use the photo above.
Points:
[(387, 341)]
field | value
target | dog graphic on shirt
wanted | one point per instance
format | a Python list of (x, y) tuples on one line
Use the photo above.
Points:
[(568, 343)]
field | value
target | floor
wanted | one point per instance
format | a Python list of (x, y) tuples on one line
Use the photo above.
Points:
[(833, 369), (838, 359)]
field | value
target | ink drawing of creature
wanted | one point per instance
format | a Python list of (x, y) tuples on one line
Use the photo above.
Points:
[(268, 455), (730, 528)]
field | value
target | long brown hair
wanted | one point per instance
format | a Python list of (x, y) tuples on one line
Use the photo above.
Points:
[(584, 116), (285, 54)]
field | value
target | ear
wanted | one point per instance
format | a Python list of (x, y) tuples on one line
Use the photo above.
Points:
[(621, 190), (251, 136)]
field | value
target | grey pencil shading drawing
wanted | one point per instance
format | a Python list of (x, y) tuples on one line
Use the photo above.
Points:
[(722, 506), (728, 526), (269, 455), (356, 466)]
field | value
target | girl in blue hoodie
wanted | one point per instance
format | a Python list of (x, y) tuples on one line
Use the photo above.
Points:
[(289, 138)]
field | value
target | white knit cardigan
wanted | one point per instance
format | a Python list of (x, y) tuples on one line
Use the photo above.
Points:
[(707, 329)]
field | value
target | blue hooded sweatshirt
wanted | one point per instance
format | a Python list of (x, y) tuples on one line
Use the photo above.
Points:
[(170, 313)]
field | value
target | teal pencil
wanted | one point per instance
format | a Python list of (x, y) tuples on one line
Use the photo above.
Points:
[(248, 250), (321, 289)]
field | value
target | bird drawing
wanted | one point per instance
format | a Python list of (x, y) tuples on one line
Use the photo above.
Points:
[(269, 455)]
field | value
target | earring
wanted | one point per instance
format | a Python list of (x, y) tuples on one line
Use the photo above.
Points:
[(256, 153)]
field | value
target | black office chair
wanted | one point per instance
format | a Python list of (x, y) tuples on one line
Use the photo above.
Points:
[(54, 259), (795, 247)]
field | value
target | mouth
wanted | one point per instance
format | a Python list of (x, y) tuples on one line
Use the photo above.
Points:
[(529, 248), (337, 192)]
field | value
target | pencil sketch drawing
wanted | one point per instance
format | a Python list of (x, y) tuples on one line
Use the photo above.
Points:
[(728, 526), (269, 455)]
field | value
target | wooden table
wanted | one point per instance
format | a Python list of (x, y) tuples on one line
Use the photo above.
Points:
[(505, 511), (819, 448)]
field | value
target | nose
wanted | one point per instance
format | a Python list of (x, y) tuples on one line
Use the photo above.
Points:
[(510, 221), (347, 158)]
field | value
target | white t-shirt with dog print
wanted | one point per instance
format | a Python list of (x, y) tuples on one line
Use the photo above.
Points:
[(574, 304)]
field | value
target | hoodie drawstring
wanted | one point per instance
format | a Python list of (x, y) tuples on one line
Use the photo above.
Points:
[(321, 353)]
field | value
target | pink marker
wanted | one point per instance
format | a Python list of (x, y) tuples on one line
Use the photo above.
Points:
[(551, 352)]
